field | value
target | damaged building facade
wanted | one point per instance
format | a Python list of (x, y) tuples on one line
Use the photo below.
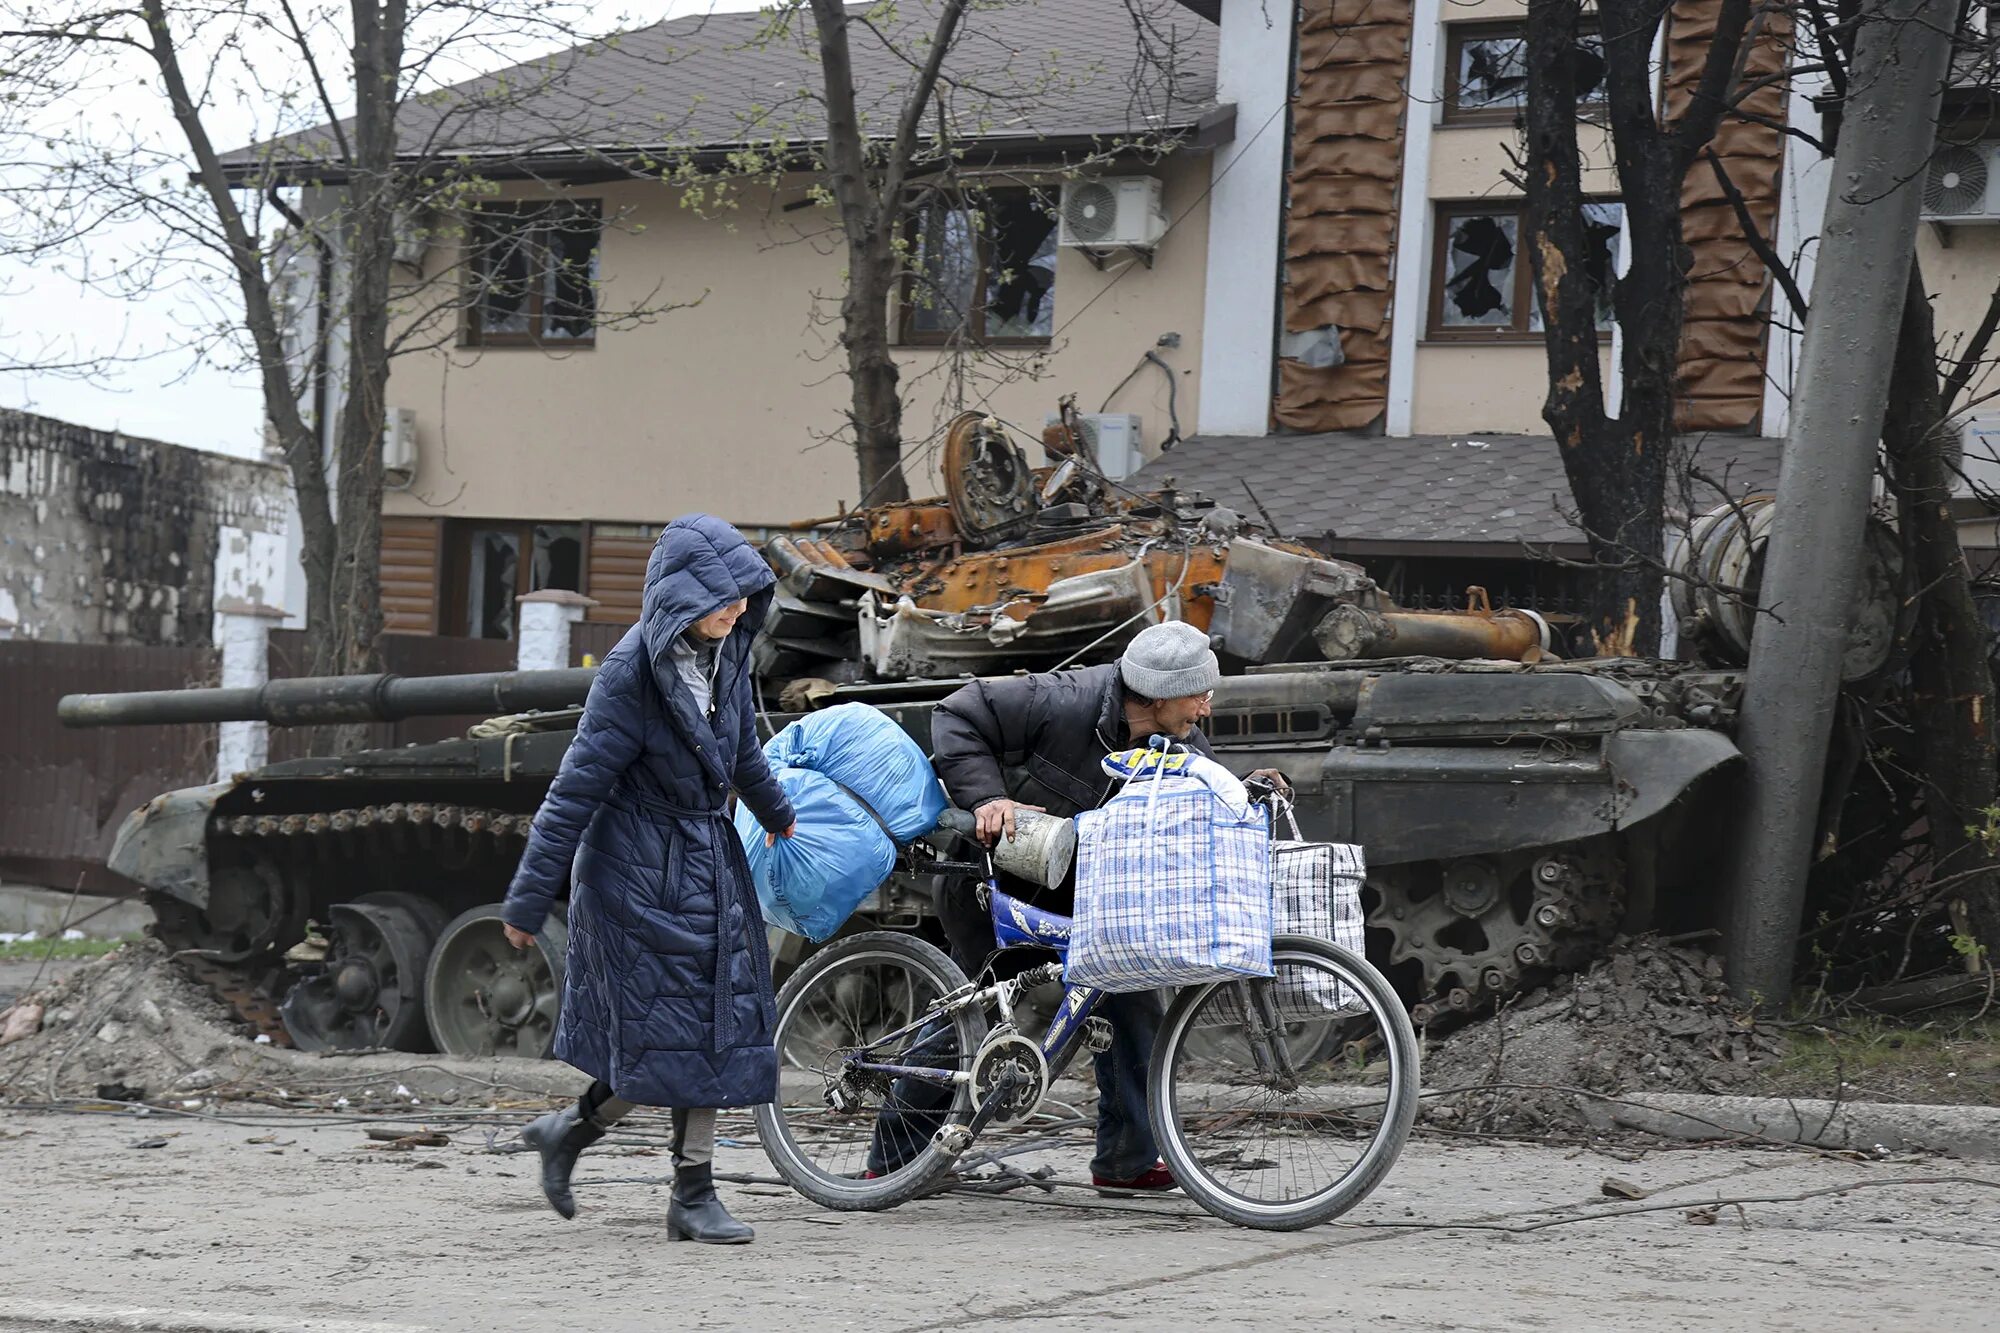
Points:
[(1322, 314), (105, 538)]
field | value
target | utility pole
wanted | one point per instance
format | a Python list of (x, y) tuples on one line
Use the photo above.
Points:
[(1813, 564)]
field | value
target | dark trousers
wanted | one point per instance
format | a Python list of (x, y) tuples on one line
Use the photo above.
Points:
[(1125, 1145)]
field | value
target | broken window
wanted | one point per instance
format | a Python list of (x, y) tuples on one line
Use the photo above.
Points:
[(492, 564), (1486, 71), (532, 275), (1482, 283), (982, 268)]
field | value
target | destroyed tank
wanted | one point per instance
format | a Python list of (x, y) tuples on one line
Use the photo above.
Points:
[(1514, 816), (1516, 810)]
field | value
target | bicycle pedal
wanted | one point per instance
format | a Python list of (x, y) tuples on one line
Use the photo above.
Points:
[(1097, 1035), (952, 1140)]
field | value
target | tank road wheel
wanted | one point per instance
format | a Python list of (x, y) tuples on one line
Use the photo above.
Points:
[(484, 997), (1482, 927), (251, 911), (370, 991)]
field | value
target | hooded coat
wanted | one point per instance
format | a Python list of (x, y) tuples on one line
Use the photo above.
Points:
[(667, 995)]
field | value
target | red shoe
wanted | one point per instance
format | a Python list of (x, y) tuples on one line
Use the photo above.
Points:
[(871, 1175), (1155, 1177)]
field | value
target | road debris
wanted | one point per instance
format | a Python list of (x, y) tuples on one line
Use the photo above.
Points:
[(1649, 1017), (19, 1022)]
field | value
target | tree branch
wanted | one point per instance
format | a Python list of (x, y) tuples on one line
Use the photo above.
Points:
[(1777, 267)]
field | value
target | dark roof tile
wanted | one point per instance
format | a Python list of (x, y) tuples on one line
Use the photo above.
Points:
[(1456, 490), (1021, 72)]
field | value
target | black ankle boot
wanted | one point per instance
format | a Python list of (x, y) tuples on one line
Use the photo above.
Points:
[(559, 1137), (697, 1214)]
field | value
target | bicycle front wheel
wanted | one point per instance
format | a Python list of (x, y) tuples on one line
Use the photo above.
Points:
[(832, 1125), (1269, 1129)]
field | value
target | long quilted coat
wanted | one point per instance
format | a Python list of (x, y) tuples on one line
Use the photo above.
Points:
[(661, 901)]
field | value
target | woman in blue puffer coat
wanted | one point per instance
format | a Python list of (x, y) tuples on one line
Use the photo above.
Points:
[(667, 999)]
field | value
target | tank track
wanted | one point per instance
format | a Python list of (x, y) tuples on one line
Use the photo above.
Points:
[(253, 989), (415, 815), (1482, 928), (251, 1002)]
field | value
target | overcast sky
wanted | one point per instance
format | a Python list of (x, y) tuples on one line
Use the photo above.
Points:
[(159, 392)]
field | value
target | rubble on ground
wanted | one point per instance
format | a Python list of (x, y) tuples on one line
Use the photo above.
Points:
[(134, 1026), (129, 1020), (1648, 1017)]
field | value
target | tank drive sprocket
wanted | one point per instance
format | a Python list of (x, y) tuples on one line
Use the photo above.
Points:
[(1481, 927)]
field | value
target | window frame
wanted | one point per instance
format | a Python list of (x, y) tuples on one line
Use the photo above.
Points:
[(1456, 36), (1442, 215), (471, 334), (455, 566), (974, 334)]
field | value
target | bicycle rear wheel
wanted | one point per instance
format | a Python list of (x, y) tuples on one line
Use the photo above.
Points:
[(1263, 1147), (845, 998)]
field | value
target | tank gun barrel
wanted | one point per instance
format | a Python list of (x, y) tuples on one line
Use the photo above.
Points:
[(319, 700)]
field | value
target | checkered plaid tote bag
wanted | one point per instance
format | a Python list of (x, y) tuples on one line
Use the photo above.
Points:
[(1316, 891), (1173, 878)]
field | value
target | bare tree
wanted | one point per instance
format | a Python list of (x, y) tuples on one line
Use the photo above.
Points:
[(896, 126), (364, 123), (1617, 465)]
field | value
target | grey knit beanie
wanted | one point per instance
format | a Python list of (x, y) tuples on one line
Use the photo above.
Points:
[(1169, 661)]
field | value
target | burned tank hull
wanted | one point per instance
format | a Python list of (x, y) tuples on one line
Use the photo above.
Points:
[(1515, 817)]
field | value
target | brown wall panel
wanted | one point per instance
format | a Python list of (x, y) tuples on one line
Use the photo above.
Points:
[(1724, 336), (410, 574), (1340, 225), (617, 576)]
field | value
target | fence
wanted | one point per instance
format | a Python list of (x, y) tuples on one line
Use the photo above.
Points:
[(63, 793), (593, 639), (404, 655)]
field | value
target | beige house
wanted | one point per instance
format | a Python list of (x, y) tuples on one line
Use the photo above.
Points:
[(625, 349)]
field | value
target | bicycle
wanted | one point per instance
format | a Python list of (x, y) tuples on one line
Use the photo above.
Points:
[(867, 1024)]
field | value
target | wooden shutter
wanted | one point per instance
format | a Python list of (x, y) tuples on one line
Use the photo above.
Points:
[(617, 572), (410, 574)]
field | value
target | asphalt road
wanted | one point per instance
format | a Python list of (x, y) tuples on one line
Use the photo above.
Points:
[(289, 1224)]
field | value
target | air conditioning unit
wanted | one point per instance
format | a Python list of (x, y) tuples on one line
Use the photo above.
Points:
[(411, 237), (1962, 183), (1110, 212), (399, 446), (1108, 439), (1979, 469)]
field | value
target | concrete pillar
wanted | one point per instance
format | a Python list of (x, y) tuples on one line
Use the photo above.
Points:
[(1411, 289), (1812, 563), (243, 632), (542, 641), (1245, 218)]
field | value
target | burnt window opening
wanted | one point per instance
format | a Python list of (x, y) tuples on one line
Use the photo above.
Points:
[(1483, 284), (1486, 71), (490, 564), (532, 275), (981, 268)]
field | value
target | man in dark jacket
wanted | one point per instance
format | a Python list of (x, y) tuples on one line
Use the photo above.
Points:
[(1038, 743)]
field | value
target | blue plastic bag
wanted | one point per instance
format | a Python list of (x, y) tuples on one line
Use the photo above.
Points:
[(812, 881), (866, 752)]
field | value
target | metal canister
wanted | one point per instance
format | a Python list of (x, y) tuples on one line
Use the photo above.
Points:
[(1040, 850)]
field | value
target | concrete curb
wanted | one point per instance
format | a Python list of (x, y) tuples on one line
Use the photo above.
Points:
[(1970, 1132)]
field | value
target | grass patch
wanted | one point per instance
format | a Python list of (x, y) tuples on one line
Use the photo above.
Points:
[(1947, 1059), (34, 951)]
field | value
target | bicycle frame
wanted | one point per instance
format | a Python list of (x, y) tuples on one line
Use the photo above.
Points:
[(1015, 924)]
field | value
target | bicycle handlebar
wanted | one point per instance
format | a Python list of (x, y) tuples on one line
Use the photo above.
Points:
[(958, 821)]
